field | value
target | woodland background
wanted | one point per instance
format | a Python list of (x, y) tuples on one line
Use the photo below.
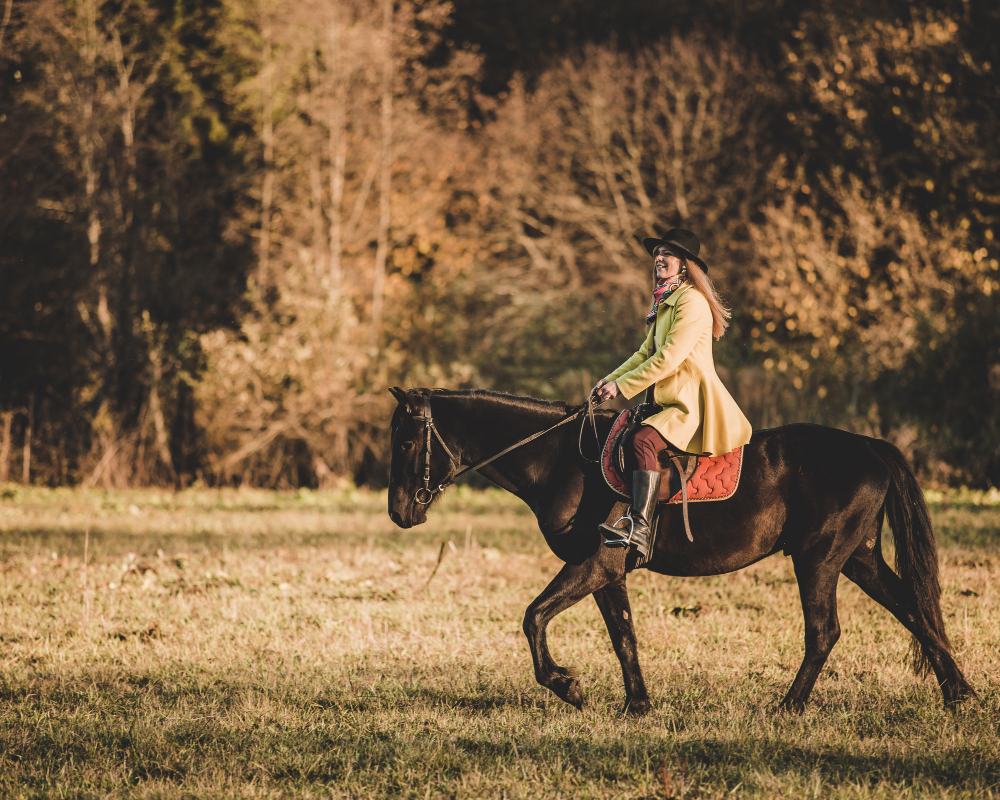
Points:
[(226, 226)]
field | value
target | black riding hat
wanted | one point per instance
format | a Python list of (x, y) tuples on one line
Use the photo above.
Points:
[(684, 242)]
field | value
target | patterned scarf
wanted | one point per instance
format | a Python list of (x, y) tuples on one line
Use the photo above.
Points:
[(663, 289)]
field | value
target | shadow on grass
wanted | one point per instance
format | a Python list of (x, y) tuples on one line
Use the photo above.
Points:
[(32, 542), (164, 730)]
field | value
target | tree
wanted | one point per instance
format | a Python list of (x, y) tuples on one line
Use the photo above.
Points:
[(608, 148), (350, 150), (125, 228)]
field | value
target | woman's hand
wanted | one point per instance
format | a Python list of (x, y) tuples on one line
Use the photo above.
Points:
[(605, 390)]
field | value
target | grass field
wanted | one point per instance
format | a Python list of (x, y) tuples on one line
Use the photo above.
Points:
[(251, 644)]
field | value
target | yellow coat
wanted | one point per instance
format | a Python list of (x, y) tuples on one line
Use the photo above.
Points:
[(699, 415)]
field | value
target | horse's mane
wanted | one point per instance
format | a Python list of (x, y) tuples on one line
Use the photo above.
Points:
[(503, 398)]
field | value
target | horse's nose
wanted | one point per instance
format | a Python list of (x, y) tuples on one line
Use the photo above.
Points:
[(395, 517)]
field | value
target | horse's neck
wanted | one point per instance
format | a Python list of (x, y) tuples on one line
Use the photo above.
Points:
[(485, 426)]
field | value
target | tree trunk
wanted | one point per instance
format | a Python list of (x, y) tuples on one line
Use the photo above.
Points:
[(338, 164), (8, 7), (26, 464), (319, 243), (382, 252), (89, 157), (267, 138), (8, 417), (127, 190), (159, 423), (337, 153)]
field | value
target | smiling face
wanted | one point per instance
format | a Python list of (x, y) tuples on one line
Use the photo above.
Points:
[(665, 263)]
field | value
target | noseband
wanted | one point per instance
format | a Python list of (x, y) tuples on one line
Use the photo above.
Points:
[(425, 494)]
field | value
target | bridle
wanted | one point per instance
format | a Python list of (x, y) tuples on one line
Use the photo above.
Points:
[(429, 428), (425, 494)]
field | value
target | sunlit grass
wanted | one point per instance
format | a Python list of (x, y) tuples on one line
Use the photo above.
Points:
[(219, 644)]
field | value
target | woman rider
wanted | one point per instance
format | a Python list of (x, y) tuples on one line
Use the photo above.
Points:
[(697, 414)]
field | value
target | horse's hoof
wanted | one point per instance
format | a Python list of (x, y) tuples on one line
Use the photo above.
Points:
[(568, 688), (955, 697), (791, 707), (636, 708)]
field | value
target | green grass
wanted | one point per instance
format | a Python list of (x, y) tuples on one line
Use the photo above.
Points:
[(253, 644)]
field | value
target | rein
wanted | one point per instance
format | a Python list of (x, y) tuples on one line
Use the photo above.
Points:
[(427, 419)]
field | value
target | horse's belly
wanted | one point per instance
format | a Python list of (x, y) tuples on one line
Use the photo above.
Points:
[(728, 536)]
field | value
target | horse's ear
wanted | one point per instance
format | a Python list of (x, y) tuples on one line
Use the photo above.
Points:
[(398, 393)]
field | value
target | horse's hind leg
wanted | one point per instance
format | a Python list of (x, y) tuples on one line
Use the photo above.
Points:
[(817, 579), (570, 586), (617, 613), (876, 579)]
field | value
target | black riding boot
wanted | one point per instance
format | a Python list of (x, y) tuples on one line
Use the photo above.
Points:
[(645, 488)]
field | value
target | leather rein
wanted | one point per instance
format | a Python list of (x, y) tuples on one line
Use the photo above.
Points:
[(430, 429)]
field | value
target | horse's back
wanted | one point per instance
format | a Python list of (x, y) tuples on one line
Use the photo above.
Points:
[(815, 452), (806, 434), (817, 474), (794, 480)]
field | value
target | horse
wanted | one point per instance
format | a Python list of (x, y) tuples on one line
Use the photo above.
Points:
[(817, 494)]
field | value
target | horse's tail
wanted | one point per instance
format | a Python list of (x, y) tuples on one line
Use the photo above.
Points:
[(916, 548)]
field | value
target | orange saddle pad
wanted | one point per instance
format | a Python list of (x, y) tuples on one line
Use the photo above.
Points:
[(714, 477)]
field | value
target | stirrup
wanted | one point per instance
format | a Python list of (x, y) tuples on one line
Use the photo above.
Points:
[(620, 541)]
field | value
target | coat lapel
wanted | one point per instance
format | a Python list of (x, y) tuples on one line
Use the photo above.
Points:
[(672, 298), (666, 313)]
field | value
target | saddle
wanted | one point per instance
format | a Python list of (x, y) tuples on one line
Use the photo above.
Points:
[(699, 479)]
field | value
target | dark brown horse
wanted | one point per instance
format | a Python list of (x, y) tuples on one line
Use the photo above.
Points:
[(816, 494)]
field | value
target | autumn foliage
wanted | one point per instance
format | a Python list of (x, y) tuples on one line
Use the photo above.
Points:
[(228, 227)]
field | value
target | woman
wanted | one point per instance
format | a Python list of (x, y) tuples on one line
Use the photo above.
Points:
[(697, 414)]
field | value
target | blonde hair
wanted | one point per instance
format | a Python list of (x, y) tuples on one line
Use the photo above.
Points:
[(720, 311)]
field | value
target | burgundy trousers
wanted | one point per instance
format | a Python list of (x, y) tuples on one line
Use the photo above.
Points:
[(647, 444)]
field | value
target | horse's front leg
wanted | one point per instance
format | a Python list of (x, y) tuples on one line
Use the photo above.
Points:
[(573, 583), (617, 613)]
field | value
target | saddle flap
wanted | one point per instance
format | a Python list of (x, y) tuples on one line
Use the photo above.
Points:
[(611, 467), (613, 455), (708, 478)]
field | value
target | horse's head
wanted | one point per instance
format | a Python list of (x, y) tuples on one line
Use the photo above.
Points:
[(408, 460)]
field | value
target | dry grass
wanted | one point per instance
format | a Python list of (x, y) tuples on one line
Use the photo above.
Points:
[(260, 645)]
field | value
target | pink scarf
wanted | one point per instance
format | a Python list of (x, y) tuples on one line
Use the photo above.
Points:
[(663, 289)]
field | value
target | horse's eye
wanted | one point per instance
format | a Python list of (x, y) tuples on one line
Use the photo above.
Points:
[(406, 447)]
